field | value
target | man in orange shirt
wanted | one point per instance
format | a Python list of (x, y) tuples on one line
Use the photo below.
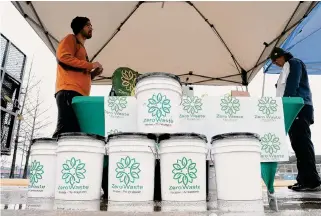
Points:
[(74, 73)]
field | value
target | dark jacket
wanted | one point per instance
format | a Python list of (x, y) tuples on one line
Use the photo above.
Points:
[(297, 83)]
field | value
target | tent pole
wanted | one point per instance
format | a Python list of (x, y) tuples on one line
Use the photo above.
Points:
[(263, 86)]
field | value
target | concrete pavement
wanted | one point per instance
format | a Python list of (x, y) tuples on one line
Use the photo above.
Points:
[(14, 202)]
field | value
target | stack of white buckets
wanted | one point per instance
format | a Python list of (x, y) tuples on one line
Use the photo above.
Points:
[(73, 170)]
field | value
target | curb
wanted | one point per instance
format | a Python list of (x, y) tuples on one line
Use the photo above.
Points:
[(25, 182)]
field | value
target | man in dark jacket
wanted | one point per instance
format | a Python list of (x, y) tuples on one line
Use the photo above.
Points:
[(296, 84)]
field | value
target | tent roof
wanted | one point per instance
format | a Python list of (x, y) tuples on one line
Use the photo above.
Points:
[(211, 43), (304, 43)]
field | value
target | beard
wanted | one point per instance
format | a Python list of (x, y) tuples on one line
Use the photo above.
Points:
[(86, 35)]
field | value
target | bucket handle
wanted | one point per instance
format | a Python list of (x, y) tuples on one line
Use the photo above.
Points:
[(155, 154)]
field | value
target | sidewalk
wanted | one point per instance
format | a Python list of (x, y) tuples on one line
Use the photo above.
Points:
[(24, 182)]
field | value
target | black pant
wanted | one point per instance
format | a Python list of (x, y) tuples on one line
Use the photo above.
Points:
[(67, 120), (300, 137)]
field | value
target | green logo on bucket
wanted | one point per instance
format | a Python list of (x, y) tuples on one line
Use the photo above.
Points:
[(117, 103), (184, 171), (36, 171), (127, 170), (192, 104), (230, 105), (159, 106), (267, 105), (270, 143), (73, 171)]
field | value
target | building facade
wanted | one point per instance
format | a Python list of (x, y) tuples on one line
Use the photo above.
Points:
[(12, 62)]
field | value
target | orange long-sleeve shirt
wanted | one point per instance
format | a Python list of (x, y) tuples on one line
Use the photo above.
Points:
[(73, 69)]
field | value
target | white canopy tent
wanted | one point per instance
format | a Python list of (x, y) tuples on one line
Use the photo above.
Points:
[(208, 43)]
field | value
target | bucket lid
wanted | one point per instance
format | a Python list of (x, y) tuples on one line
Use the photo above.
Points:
[(43, 139), (131, 135), (80, 134), (235, 136), (158, 74), (167, 136)]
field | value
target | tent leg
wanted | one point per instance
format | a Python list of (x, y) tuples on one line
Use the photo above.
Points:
[(263, 86)]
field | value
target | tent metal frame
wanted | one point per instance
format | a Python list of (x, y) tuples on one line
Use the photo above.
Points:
[(245, 74)]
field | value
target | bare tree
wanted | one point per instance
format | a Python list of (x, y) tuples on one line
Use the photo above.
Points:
[(16, 142), (29, 121), (36, 126)]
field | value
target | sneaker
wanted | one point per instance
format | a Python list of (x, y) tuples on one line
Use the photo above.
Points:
[(301, 188), (290, 186)]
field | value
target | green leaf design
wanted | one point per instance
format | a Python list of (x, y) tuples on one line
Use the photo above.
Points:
[(159, 97), (192, 175), (192, 166), (276, 147), (135, 165), (119, 174), (134, 175), (126, 179), (158, 106), (158, 113), (185, 180), (72, 180), (127, 161), (184, 162), (177, 175), (39, 168), (72, 162), (166, 110), (80, 166), (184, 171), (120, 165), (223, 101), (177, 166), (74, 172), (152, 109), (80, 175), (166, 102), (65, 175), (152, 101), (224, 108)]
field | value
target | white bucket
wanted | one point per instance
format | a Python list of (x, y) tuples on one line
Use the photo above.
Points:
[(131, 167), (183, 166), (158, 98), (237, 165), (79, 166), (42, 168)]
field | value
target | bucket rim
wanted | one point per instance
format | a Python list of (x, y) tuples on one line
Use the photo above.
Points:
[(235, 135), (167, 136), (80, 134), (43, 139), (132, 135), (158, 74)]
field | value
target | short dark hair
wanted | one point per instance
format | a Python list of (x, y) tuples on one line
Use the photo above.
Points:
[(78, 23)]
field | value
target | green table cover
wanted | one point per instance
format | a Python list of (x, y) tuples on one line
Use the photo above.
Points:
[(90, 114)]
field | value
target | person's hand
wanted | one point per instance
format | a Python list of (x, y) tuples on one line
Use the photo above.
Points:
[(97, 65), (96, 72)]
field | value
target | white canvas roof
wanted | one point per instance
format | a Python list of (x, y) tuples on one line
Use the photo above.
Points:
[(208, 43)]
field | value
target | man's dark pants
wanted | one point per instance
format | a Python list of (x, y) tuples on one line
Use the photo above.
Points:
[(300, 137), (67, 120)]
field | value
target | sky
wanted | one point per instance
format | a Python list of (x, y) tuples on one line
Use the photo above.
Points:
[(16, 29)]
